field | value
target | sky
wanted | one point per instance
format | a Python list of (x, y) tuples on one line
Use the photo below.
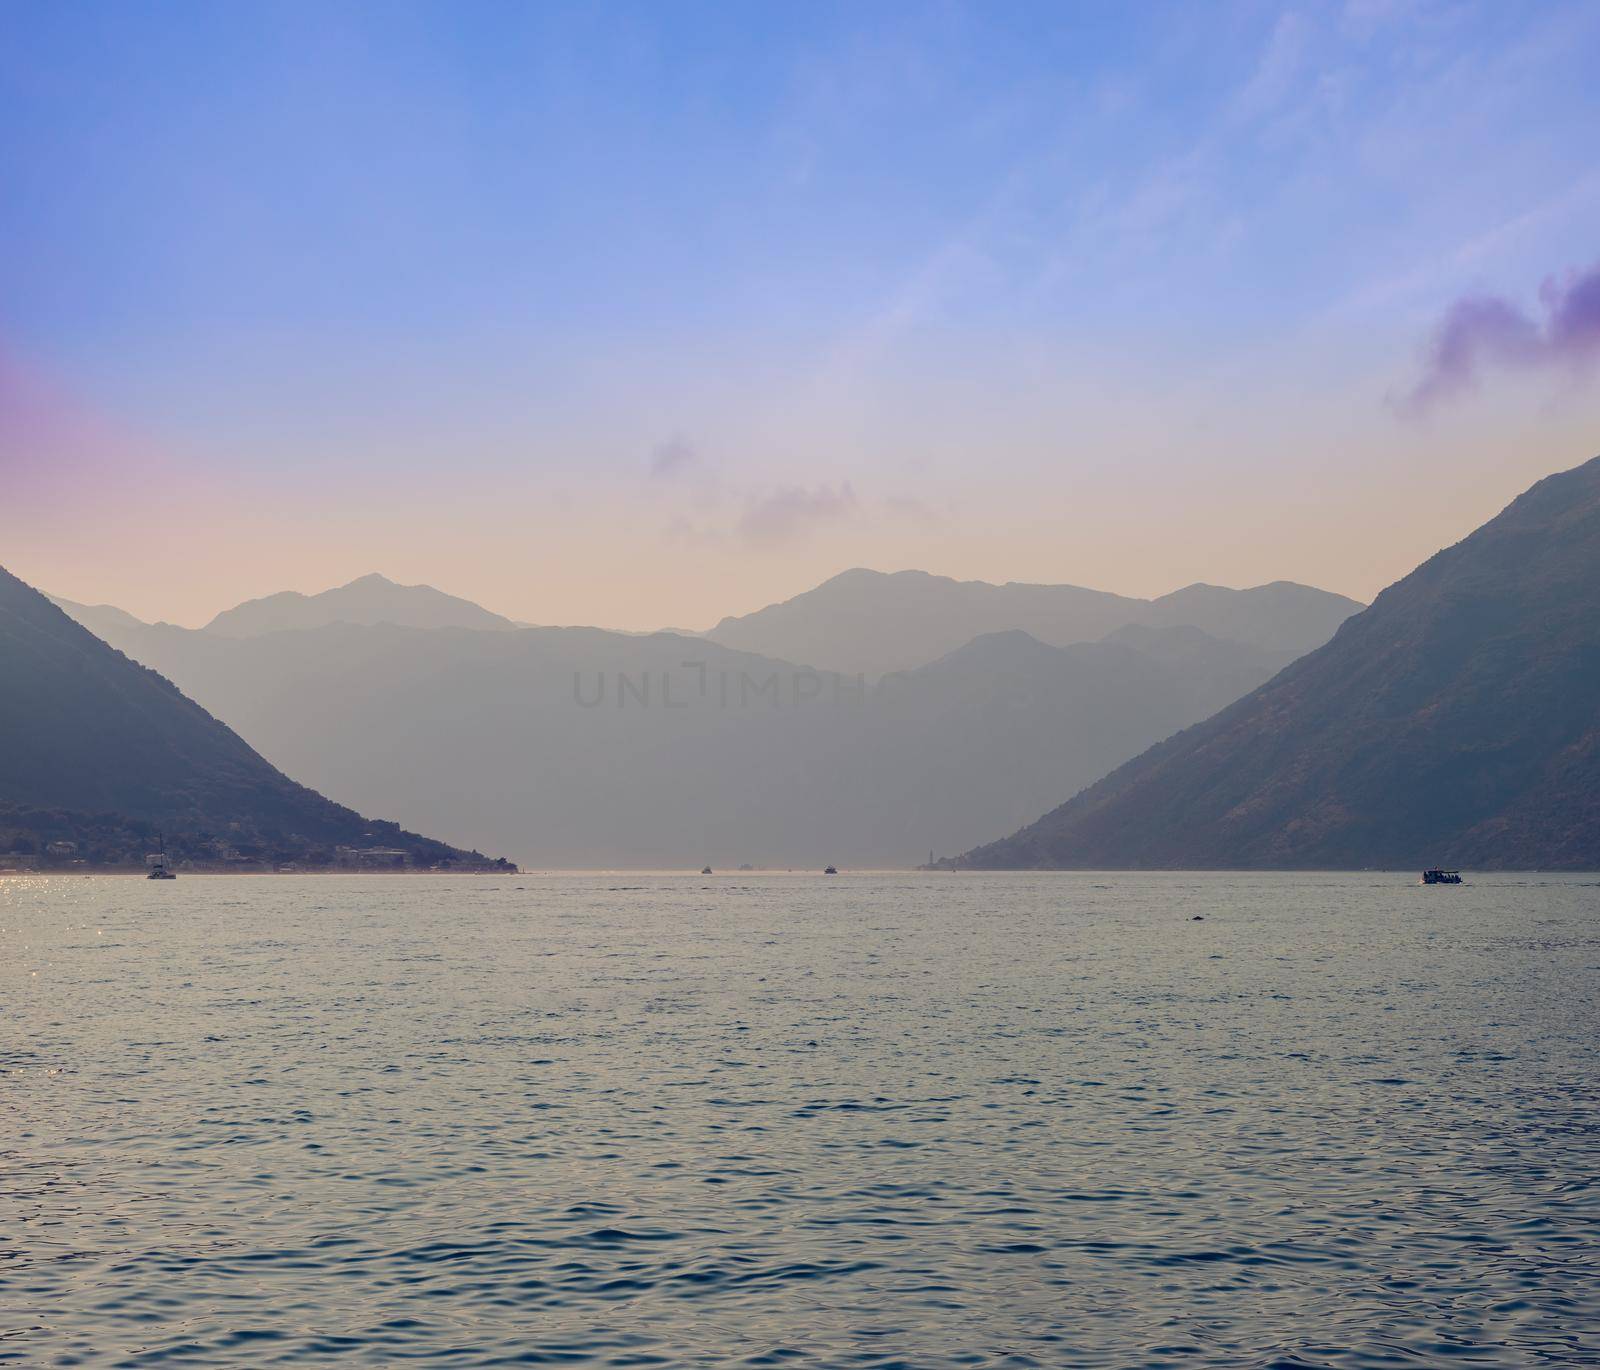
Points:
[(640, 315)]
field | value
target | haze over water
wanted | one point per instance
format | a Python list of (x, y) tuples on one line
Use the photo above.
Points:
[(880, 1120)]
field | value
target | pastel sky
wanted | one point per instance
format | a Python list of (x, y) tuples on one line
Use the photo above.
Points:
[(643, 314)]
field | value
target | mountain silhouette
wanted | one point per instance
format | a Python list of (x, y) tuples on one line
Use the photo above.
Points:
[(87, 733), (1456, 721), (872, 622)]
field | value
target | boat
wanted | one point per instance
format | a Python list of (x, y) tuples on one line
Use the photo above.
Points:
[(705, 870), (157, 861), (1441, 877), (830, 871)]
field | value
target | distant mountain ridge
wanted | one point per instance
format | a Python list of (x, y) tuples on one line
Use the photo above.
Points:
[(86, 734), (368, 600), (525, 740), (99, 619), (874, 622), (458, 730), (1456, 721)]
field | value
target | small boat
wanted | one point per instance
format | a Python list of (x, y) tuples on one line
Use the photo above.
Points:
[(1441, 877), (157, 861), (830, 871), (705, 870)]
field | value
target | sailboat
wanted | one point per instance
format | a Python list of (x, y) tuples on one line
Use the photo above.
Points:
[(157, 861)]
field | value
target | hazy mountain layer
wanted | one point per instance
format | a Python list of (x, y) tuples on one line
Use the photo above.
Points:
[(1456, 721), (871, 622), (574, 746), (103, 620)]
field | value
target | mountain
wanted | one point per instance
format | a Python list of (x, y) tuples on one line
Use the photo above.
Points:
[(1455, 722), (576, 746), (371, 599), (92, 740), (1281, 616), (873, 623), (99, 619)]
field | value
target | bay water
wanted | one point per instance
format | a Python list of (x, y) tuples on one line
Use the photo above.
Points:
[(875, 1120)]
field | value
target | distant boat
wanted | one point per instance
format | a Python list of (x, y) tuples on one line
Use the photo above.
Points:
[(830, 871), (157, 861), (1441, 877), (705, 870)]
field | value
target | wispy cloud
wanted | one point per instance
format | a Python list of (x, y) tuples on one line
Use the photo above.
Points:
[(910, 507), (1481, 333), (793, 510), (1276, 72), (671, 458)]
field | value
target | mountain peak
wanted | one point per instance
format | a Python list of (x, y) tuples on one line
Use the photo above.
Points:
[(369, 600)]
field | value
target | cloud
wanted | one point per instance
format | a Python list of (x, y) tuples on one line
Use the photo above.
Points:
[(671, 458), (1484, 332), (1276, 71), (793, 510), (683, 531), (910, 507)]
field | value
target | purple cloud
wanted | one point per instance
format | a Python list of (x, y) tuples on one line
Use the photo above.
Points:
[(1575, 313), (793, 509), (1481, 332)]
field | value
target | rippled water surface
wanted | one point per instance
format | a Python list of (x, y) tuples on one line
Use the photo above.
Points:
[(913, 1120)]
